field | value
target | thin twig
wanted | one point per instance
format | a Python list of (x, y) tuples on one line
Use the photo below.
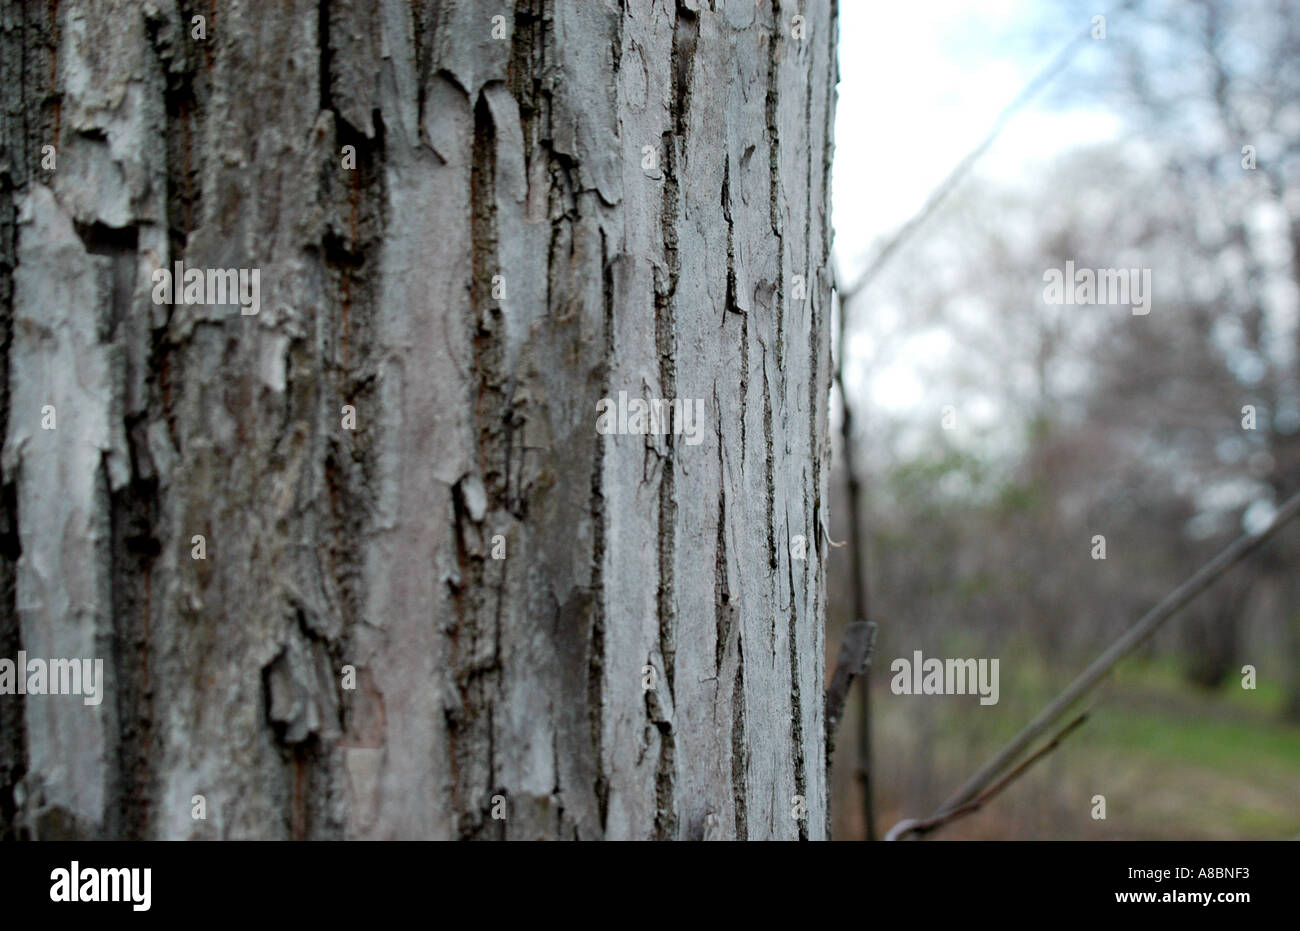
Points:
[(1168, 606), (933, 823), (861, 596), (855, 656)]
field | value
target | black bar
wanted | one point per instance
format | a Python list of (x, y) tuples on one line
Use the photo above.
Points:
[(441, 882)]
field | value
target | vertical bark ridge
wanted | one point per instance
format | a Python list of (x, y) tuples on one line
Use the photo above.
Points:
[(27, 116)]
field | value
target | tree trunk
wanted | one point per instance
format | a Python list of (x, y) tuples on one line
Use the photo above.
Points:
[(433, 593)]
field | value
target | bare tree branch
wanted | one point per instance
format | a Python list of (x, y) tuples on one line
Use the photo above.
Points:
[(933, 823), (861, 597), (1168, 606), (855, 656)]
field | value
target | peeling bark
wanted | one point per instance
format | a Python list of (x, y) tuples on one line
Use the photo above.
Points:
[(492, 262)]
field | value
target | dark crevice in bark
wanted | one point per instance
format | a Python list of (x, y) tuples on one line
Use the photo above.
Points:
[(13, 724), (119, 245), (725, 611), (732, 304), (338, 521), (774, 148), (32, 103), (665, 823), (54, 41), (489, 711), (300, 694), (596, 654), (769, 492), (469, 721), (334, 367), (423, 39), (665, 774), (30, 117), (770, 108), (686, 34), (744, 388), (475, 678), (796, 699), (356, 202), (425, 19), (526, 72), (186, 92), (133, 545), (665, 596), (492, 418), (307, 793), (739, 749), (485, 312), (769, 469)]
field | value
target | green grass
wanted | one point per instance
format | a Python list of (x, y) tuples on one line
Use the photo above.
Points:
[(1195, 740), (1164, 674), (1173, 760)]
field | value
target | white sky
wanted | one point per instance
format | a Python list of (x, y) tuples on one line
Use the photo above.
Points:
[(921, 84)]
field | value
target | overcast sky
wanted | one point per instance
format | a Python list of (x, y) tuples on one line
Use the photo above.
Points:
[(921, 84)]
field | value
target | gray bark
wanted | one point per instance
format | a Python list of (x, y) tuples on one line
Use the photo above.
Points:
[(521, 677)]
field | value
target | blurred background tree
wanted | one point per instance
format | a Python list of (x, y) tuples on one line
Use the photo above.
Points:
[(1072, 421)]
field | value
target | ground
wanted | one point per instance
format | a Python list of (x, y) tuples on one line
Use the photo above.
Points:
[(1174, 762)]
